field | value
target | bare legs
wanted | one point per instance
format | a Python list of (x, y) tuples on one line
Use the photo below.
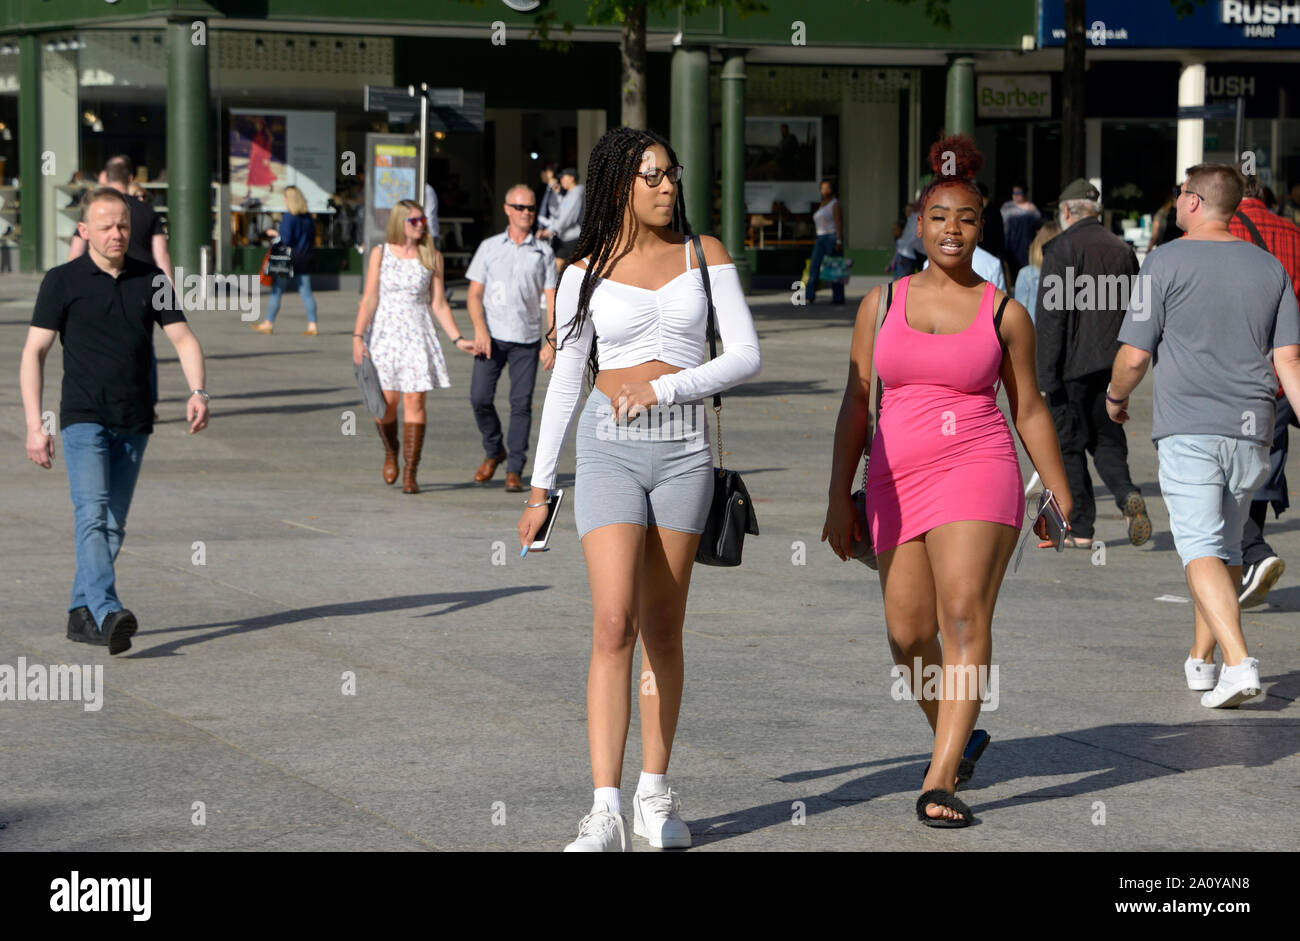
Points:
[(639, 582), (945, 584), (1214, 587), (412, 405)]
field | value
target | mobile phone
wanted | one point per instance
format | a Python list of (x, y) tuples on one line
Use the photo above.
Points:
[(1057, 525), (553, 500)]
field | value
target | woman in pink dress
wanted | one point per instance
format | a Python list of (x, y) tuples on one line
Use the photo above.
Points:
[(944, 495), (259, 157)]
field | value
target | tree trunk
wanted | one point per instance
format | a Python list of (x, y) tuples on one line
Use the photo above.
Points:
[(633, 75), (1072, 80)]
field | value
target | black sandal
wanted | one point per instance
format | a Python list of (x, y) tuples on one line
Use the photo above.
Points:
[(943, 798)]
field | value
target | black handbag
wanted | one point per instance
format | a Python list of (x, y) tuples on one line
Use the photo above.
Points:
[(279, 264), (731, 514), (862, 549)]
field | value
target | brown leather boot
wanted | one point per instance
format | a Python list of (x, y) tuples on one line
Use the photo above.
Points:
[(489, 467), (388, 434), (413, 440)]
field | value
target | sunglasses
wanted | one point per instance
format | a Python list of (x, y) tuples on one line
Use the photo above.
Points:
[(417, 220), (523, 207), (656, 176)]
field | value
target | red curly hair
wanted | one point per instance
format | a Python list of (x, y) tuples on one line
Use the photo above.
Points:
[(960, 155)]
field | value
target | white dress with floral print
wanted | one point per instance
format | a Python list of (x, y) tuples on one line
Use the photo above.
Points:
[(402, 341)]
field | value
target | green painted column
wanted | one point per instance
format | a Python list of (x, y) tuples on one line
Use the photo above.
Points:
[(29, 151), (189, 189), (690, 134), (733, 161), (959, 108)]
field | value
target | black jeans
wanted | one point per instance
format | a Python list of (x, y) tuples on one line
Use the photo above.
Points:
[(1084, 428), (521, 359), (1253, 547)]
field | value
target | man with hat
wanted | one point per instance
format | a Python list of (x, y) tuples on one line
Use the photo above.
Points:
[(1083, 293), (564, 236)]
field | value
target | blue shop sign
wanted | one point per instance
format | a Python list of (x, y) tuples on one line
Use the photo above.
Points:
[(1155, 24)]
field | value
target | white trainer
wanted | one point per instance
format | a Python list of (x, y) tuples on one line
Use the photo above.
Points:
[(1200, 675), (1228, 694), (655, 817), (600, 832)]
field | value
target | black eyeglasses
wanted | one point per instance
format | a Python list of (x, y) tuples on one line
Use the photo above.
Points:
[(1183, 190), (656, 176), (523, 207)]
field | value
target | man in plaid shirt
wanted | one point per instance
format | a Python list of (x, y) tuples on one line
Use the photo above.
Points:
[(1261, 566)]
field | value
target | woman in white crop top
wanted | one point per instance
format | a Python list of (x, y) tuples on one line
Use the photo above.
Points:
[(632, 310)]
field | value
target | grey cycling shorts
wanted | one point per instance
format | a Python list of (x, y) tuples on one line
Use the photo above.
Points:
[(656, 470)]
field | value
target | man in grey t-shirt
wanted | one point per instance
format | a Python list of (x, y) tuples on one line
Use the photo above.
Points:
[(1209, 309)]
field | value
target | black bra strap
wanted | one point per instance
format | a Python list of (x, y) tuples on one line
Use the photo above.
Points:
[(997, 321)]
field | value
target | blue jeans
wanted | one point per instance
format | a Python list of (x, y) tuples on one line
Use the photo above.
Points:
[(103, 467), (825, 245), (303, 283)]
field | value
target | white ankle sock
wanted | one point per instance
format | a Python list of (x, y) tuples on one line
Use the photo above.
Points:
[(651, 783), (609, 797)]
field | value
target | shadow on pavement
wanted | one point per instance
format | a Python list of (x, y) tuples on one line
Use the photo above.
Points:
[(456, 601), (1132, 752)]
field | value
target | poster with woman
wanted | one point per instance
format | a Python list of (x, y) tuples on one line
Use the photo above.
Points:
[(257, 156)]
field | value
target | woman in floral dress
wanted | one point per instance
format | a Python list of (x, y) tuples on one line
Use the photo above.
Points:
[(403, 284)]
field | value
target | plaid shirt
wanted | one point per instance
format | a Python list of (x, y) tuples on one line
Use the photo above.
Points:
[(1281, 236)]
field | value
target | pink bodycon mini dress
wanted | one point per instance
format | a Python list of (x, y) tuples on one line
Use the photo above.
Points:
[(943, 451)]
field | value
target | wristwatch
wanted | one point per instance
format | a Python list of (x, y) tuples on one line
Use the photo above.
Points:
[(201, 393)]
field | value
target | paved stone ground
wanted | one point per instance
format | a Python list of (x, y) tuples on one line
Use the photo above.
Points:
[(470, 676)]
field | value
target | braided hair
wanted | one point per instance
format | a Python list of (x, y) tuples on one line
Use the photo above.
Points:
[(611, 171)]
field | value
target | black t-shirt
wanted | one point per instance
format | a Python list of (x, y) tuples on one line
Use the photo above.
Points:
[(106, 327)]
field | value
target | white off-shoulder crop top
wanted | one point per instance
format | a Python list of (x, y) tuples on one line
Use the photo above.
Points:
[(635, 325)]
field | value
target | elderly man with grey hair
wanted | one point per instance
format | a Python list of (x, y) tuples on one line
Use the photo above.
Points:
[(1083, 291), (508, 276)]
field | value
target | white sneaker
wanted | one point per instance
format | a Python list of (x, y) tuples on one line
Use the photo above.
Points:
[(1231, 693), (600, 832), (1200, 675), (655, 818)]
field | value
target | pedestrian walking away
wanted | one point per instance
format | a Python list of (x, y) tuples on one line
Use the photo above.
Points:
[(1261, 566), (508, 275), (568, 224), (103, 307), (1215, 397), (828, 222), (944, 499), (1083, 290), (404, 282), (632, 309), (1027, 279), (298, 231)]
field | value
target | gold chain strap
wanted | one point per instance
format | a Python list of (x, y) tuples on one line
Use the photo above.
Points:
[(717, 414)]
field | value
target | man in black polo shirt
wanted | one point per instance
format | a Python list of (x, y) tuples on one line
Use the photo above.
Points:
[(148, 242), (103, 307)]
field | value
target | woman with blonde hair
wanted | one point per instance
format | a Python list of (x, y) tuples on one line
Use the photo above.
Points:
[(298, 231), (403, 284), (1027, 280)]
